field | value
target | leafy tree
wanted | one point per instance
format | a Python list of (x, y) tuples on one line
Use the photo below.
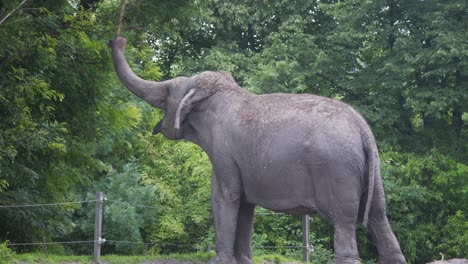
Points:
[(47, 93), (181, 173), (425, 196), (130, 210)]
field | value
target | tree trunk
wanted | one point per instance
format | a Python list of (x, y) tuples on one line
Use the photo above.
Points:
[(457, 121)]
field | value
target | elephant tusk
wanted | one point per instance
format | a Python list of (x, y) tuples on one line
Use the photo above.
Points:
[(179, 108)]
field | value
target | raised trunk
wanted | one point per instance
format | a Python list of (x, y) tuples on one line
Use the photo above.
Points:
[(154, 93)]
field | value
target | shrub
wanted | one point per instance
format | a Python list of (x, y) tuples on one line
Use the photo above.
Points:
[(6, 254)]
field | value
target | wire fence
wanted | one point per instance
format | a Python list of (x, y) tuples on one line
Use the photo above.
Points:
[(100, 241), (107, 200), (132, 204), (46, 204), (50, 243)]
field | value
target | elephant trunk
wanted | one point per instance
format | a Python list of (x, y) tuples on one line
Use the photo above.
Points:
[(154, 93)]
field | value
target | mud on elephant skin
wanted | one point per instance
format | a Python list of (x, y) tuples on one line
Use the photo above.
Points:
[(298, 154)]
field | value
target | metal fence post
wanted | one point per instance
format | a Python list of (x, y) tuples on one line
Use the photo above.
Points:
[(44, 244), (98, 227), (305, 238)]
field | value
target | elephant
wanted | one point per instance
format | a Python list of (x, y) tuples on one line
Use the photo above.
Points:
[(289, 153)]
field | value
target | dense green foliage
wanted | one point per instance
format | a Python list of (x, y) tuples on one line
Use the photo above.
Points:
[(68, 128), (6, 254)]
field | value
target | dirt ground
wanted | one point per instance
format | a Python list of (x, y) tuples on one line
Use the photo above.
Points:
[(171, 262), (190, 262), (451, 261)]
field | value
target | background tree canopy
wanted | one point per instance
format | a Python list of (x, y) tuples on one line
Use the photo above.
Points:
[(68, 127)]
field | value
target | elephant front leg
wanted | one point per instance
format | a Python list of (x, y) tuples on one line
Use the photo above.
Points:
[(243, 243), (225, 206)]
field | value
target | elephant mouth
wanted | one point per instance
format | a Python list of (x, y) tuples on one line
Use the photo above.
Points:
[(176, 134), (157, 128)]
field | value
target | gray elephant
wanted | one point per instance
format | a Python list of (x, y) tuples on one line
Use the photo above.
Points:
[(297, 154)]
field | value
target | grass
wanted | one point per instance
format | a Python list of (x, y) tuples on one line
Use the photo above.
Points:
[(108, 259), (277, 259), (41, 258), (118, 259)]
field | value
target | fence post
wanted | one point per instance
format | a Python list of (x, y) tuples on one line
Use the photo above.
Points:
[(145, 251), (305, 238), (44, 244), (98, 227)]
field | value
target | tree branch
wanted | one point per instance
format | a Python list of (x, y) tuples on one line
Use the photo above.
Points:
[(120, 20), (12, 11)]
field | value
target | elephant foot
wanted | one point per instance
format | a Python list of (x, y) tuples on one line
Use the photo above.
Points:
[(244, 260), (397, 258), (220, 260), (346, 260)]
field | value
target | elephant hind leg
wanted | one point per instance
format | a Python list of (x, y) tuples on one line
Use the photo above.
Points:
[(382, 234), (386, 242)]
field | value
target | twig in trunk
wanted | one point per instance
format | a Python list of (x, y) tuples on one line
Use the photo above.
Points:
[(121, 16)]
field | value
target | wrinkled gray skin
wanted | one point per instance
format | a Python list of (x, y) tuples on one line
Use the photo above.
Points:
[(298, 154)]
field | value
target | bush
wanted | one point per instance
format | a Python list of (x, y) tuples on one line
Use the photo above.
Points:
[(6, 254), (426, 203), (321, 255)]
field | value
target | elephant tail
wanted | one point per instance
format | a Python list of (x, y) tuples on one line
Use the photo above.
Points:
[(370, 148)]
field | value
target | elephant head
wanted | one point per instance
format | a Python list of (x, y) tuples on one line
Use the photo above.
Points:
[(176, 97)]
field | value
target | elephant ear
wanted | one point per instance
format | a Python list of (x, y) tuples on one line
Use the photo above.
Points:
[(187, 103)]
